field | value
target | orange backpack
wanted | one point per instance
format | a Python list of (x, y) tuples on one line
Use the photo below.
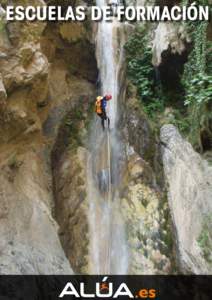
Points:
[(98, 105)]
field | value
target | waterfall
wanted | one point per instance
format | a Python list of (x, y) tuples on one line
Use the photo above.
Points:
[(108, 248)]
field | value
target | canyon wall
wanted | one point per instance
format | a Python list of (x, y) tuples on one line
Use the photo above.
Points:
[(44, 74), (48, 83), (189, 179)]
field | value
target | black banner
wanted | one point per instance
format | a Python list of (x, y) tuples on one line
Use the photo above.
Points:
[(106, 287)]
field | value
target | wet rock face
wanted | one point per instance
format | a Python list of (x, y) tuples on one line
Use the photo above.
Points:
[(143, 204), (137, 131), (145, 214), (189, 181)]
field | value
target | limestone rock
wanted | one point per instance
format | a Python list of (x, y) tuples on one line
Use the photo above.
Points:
[(20, 71), (171, 36), (143, 212), (72, 207), (189, 180), (26, 53), (73, 32), (3, 93), (138, 129), (29, 242)]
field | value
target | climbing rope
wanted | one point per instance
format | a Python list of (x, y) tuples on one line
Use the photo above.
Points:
[(109, 206), (109, 169)]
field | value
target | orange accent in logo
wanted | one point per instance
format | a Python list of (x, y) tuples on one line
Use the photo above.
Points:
[(144, 294), (104, 286)]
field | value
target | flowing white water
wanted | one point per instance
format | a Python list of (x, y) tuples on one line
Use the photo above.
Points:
[(108, 248)]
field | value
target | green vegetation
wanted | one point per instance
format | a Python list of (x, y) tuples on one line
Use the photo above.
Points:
[(152, 95), (190, 103), (197, 81), (141, 72), (205, 238)]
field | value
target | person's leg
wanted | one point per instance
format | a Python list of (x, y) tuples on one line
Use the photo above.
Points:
[(104, 117), (108, 122), (102, 120), (103, 123)]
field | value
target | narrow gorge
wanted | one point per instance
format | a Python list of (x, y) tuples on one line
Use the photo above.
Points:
[(74, 199)]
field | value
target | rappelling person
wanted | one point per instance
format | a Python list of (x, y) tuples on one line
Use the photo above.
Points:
[(100, 108)]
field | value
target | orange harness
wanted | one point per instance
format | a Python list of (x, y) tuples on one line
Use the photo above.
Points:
[(98, 105)]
